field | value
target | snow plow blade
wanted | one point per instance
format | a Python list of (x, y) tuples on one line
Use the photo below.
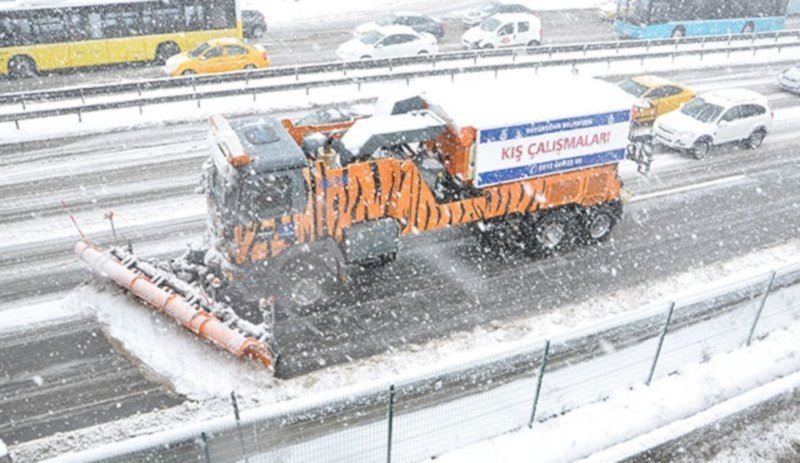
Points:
[(159, 291)]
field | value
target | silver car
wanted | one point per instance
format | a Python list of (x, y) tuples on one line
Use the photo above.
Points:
[(789, 79)]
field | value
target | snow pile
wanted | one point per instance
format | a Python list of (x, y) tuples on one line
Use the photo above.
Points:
[(590, 429), (191, 366), (53, 309)]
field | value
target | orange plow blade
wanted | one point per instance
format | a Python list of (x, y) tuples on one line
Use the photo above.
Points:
[(155, 290)]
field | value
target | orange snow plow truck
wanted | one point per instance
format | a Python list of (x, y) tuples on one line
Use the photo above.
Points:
[(294, 210)]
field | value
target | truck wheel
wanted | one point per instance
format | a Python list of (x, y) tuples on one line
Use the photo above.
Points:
[(599, 223), (553, 233), (21, 66), (679, 32), (701, 148), (305, 284)]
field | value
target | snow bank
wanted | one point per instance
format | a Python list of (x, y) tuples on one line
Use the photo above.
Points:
[(587, 431)]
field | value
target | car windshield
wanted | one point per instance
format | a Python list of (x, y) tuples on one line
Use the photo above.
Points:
[(490, 24), (490, 7), (701, 110), (199, 50), (371, 37), (632, 88), (386, 20)]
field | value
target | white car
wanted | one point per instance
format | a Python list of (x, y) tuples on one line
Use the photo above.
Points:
[(388, 42), (505, 30), (476, 16), (790, 79), (715, 118)]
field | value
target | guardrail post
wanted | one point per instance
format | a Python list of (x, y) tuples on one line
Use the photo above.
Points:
[(496, 71), (296, 74), (139, 88), (390, 423), (83, 99), (255, 95), (204, 439), (647, 47), (22, 100), (760, 308), (16, 122), (141, 110), (539, 377), (238, 425), (660, 344), (80, 118)]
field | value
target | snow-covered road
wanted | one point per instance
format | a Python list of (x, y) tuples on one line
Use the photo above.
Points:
[(148, 187)]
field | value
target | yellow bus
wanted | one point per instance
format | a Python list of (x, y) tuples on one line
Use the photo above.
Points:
[(35, 36)]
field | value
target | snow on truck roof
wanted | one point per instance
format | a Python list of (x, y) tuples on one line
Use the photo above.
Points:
[(535, 99)]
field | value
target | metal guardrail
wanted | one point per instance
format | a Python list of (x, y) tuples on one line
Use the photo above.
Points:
[(301, 70), (256, 90), (423, 416)]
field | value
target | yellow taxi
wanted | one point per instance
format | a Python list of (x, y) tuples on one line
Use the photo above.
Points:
[(658, 96), (218, 55)]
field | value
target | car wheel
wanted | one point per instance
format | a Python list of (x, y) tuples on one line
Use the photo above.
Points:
[(423, 52), (488, 46), (755, 139), (21, 67), (250, 67), (700, 148), (188, 72), (748, 28), (679, 32), (366, 57)]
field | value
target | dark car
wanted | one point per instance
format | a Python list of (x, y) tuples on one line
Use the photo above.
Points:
[(418, 22), (254, 26), (476, 16)]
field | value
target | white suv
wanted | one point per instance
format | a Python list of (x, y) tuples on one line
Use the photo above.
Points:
[(715, 118), (505, 30)]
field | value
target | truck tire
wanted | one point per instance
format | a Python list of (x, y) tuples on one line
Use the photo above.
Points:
[(598, 223), (305, 284), (679, 32), (552, 233), (20, 67)]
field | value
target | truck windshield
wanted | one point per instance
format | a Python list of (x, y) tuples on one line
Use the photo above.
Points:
[(702, 110), (273, 195), (632, 88)]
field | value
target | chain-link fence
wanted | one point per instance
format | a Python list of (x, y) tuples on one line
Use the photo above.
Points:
[(425, 416)]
